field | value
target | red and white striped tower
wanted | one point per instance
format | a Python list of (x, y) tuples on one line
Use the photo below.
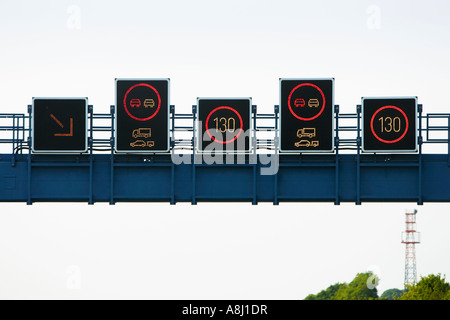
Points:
[(410, 237)]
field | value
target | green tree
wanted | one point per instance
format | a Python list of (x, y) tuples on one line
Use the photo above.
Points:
[(431, 287), (327, 294), (391, 294), (362, 287), (359, 288)]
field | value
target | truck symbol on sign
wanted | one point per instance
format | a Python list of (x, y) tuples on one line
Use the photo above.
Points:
[(306, 132), (142, 133)]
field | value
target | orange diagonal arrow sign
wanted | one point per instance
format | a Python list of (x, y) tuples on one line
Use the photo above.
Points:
[(70, 134)]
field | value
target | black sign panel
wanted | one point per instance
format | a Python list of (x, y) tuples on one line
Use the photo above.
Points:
[(306, 115), (223, 125), (389, 124), (59, 125), (142, 115)]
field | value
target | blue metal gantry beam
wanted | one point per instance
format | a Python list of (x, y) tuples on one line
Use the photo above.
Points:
[(101, 175)]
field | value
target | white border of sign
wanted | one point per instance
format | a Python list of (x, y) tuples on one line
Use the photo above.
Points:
[(168, 116), (60, 151), (389, 151), (332, 150), (196, 133)]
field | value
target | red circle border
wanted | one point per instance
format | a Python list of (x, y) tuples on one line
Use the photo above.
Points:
[(209, 116), (387, 141), (141, 85), (321, 93)]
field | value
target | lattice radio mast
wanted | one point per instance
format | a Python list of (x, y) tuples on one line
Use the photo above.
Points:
[(410, 237)]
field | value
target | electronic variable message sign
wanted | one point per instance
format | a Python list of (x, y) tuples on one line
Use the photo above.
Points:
[(142, 115), (389, 124), (306, 115), (223, 125), (59, 125)]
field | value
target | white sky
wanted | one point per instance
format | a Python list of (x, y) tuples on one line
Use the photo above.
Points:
[(217, 48)]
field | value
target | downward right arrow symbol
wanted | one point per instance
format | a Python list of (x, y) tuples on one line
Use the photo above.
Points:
[(70, 134)]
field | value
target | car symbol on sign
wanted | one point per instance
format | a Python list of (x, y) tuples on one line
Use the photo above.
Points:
[(313, 103), (149, 103), (299, 103), (138, 143), (135, 103), (303, 143)]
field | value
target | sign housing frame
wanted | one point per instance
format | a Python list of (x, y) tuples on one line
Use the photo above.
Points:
[(86, 131), (333, 116), (116, 80), (224, 152), (416, 124)]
